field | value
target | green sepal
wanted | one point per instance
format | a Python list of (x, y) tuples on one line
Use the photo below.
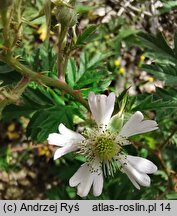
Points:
[(116, 122)]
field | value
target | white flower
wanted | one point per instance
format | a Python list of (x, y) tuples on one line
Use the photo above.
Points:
[(103, 149)]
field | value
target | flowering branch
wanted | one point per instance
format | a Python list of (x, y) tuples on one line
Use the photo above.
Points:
[(38, 77)]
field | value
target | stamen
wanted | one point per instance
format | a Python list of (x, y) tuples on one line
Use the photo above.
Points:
[(103, 146)]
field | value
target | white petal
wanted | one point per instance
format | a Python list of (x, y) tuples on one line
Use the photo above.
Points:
[(97, 106), (64, 150), (79, 175), (84, 187), (102, 107), (66, 137), (136, 125), (136, 177), (141, 178), (141, 164), (110, 106), (56, 139), (133, 180), (84, 178), (98, 185), (69, 133)]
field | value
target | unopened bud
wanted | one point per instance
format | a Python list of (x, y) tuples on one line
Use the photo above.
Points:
[(60, 2), (116, 122), (66, 16), (65, 12)]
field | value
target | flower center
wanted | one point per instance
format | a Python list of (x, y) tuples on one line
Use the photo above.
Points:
[(101, 147), (105, 148)]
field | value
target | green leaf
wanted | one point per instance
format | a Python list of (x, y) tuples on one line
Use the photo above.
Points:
[(98, 87), (168, 6), (71, 72), (88, 64), (17, 111), (32, 100), (149, 103), (171, 196), (3, 161), (158, 47), (125, 32), (122, 100), (9, 76), (166, 95), (5, 69), (91, 77), (164, 72), (46, 121), (87, 73), (97, 58), (87, 35), (36, 96), (80, 8)]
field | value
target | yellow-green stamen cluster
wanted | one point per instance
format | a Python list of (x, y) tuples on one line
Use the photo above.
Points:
[(105, 148), (99, 145), (102, 147)]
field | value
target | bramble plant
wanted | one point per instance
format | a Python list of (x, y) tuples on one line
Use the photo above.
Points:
[(60, 77)]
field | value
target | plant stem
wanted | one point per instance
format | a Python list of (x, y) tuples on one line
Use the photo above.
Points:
[(61, 57), (20, 87), (38, 77), (5, 24)]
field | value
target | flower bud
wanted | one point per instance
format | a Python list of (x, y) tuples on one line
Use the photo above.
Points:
[(66, 16), (60, 2), (116, 122)]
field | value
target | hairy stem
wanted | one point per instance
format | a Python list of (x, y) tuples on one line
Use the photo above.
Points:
[(5, 24), (61, 57), (38, 77)]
